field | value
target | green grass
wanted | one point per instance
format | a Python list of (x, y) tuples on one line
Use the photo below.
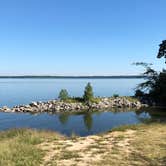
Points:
[(127, 127), (66, 155), (15, 153), (97, 99), (18, 147)]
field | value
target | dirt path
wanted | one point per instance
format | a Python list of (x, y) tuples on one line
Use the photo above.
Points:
[(142, 146), (86, 151)]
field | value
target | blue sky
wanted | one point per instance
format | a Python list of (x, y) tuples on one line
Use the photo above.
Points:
[(80, 37)]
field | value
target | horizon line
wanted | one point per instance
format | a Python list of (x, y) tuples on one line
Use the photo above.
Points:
[(70, 76)]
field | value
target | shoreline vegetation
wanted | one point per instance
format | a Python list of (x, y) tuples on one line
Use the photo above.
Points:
[(76, 104), (124, 145)]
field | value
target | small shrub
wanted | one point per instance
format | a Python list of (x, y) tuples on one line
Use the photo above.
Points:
[(63, 95), (95, 100), (78, 99), (115, 95), (88, 93)]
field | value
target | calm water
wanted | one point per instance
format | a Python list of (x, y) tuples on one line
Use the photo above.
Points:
[(23, 91), (82, 124)]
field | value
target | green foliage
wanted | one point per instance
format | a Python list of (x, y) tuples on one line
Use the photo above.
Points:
[(95, 100), (88, 93), (131, 99), (150, 75), (74, 100), (139, 93), (155, 84), (78, 99), (17, 147), (158, 91), (162, 50), (115, 95), (63, 95)]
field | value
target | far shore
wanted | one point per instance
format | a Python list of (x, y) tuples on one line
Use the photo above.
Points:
[(72, 77)]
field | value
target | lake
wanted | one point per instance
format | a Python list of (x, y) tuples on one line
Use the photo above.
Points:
[(82, 124), (23, 91)]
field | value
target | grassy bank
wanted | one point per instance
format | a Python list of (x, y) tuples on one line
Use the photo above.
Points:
[(128, 145), (99, 99)]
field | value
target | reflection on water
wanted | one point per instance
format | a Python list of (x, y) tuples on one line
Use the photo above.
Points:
[(155, 115), (63, 118), (82, 124), (87, 118), (88, 121)]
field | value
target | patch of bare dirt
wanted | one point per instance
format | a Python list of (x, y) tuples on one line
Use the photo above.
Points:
[(84, 151)]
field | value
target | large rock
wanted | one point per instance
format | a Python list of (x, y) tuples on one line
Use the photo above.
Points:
[(34, 104)]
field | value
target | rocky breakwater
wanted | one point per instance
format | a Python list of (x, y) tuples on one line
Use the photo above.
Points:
[(56, 106)]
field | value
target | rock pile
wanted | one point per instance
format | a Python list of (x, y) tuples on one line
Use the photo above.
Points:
[(56, 106)]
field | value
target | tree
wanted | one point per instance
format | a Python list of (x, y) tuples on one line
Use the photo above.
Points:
[(63, 95), (162, 50), (88, 93), (150, 75), (158, 92), (139, 93), (155, 84)]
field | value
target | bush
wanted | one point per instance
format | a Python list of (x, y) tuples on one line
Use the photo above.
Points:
[(95, 100), (88, 93), (63, 95), (139, 93), (158, 91), (115, 95), (154, 88)]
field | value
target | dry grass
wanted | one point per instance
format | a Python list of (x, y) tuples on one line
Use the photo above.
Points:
[(139, 145), (18, 147)]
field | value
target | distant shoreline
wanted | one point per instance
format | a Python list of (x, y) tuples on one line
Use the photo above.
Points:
[(74, 77)]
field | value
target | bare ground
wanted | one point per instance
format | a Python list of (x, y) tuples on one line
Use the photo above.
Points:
[(144, 145)]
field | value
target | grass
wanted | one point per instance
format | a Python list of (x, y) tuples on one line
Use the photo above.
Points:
[(98, 99), (14, 153), (142, 145), (74, 100), (66, 155), (18, 147), (81, 100), (153, 152), (127, 127), (147, 147)]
